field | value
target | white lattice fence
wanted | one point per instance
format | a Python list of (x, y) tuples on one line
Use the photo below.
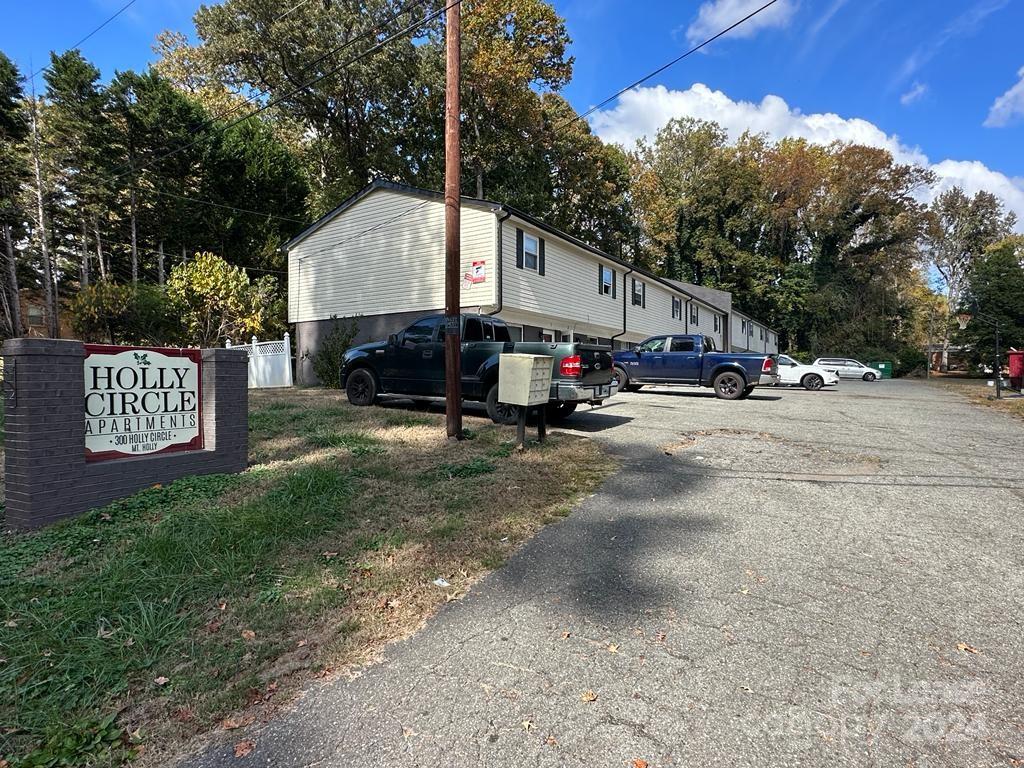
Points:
[(270, 362)]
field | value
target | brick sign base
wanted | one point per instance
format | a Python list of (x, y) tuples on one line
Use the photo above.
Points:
[(47, 475)]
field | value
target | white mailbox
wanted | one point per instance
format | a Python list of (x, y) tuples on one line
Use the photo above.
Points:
[(524, 379)]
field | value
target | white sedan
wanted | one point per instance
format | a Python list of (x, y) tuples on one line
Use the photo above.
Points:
[(849, 369), (812, 377)]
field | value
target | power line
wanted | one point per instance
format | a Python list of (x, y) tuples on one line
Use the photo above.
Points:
[(123, 8), (229, 207), (663, 67), (274, 102)]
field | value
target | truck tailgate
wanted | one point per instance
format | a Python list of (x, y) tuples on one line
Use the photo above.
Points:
[(596, 364)]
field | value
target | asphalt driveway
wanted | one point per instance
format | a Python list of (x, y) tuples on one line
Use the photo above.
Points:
[(828, 578)]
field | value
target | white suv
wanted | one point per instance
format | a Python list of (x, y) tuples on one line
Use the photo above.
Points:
[(849, 369)]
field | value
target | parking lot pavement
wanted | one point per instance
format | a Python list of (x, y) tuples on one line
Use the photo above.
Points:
[(829, 578)]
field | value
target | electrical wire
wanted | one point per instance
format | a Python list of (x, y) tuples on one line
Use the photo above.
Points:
[(123, 8), (663, 67), (278, 100)]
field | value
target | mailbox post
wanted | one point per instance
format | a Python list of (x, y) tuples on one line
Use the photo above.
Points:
[(525, 380)]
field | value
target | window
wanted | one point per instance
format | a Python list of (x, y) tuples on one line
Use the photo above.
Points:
[(709, 344), (501, 333), (718, 323), (36, 315), (639, 293), (422, 331), (488, 331), (694, 314), (473, 331), (514, 332), (529, 252), (681, 345), (784, 360), (607, 284), (677, 308), (652, 345), (547, 335)]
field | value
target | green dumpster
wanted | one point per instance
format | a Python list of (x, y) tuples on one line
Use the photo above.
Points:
[(884, 367)]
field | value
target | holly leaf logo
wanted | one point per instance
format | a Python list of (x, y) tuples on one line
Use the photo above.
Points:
[(141, 358)]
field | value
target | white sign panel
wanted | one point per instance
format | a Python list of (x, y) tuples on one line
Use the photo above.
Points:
[(141, 400)]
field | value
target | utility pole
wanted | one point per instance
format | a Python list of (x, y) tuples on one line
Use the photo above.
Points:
[(452, 210)]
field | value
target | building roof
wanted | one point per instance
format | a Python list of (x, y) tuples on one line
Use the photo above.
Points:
[(701, 294)]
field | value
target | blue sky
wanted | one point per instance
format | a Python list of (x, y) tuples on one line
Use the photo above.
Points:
[(938, 82)]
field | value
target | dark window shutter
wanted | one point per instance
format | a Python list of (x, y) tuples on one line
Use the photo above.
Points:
[(540, 259), (615, 279), (643, 296), (519, 249), (600, 279)]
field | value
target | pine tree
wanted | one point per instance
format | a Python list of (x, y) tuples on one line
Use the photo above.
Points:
[(13, 174)]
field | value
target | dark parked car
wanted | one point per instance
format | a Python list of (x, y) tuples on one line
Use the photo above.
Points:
[(693, 360), (411, 363)]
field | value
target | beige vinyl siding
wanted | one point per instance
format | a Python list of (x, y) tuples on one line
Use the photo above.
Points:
[(567, 292), (384, 254), (739, 337), (705, 325)]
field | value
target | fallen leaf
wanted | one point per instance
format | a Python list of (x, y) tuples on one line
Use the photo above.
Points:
[(660, 637), (162, 680), (248, 634), (105, 633), (183, 714), (105, 517), (967, 648), (613, 648), (639, 763), (158, 485), (11, 624), (300, 644), (243, 748), (330, 555), (213, 625), (566, 635), (550, 741), (527, 725), (588, 696)]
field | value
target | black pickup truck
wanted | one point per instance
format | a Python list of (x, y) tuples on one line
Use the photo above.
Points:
[(411, 363)]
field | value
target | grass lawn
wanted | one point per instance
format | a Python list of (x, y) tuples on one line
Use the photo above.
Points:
[(206, 603)]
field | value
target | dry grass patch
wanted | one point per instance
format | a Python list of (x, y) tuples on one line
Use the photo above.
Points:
[(978, 392), (207, 603)]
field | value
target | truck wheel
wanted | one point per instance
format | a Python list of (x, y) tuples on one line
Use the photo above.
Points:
[(620, 379), (560, 411), (500, 413), (361, 387), (745, 393), (812, 382), (729, 385), (869, 377)]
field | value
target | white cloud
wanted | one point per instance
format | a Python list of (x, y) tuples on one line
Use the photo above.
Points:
[(1008, 107), (917, 90), (643, 111), (716, 15)]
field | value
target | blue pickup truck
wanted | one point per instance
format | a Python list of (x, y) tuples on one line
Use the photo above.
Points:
[(693, 360)]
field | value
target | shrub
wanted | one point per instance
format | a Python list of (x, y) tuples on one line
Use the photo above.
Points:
[(217, 302), (123, 314), (326, 361)]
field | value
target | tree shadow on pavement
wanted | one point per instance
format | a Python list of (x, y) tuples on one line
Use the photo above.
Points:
[(622, 555)]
